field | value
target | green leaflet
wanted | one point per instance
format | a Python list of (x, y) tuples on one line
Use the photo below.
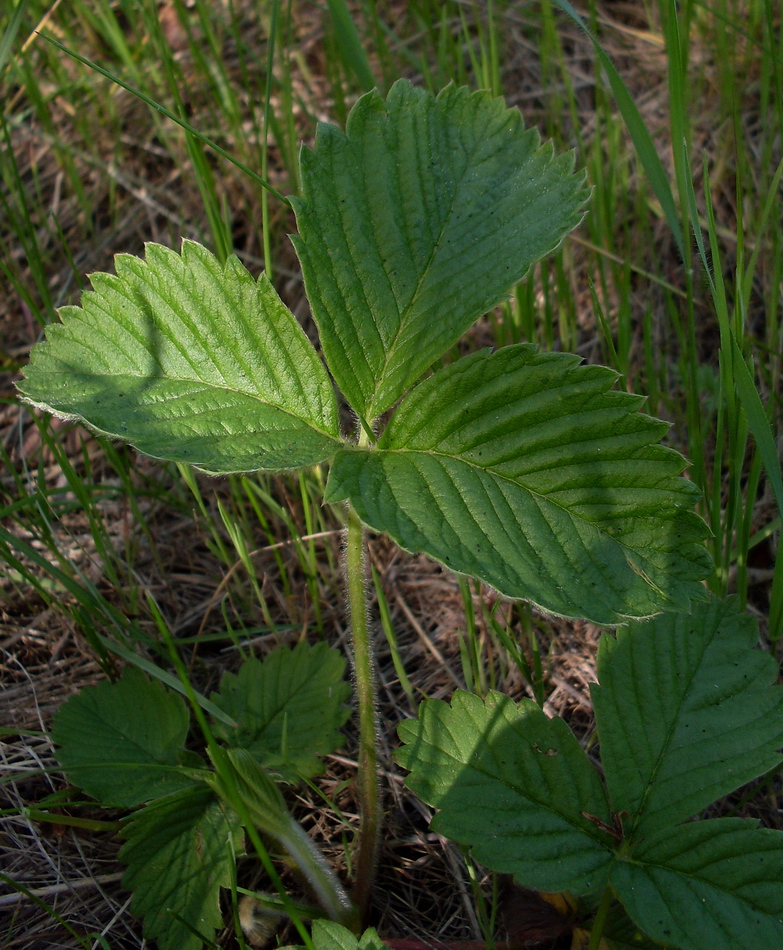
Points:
[(189, 361), (327, 935), (123, 742), (179, 851), (289, 708), (709, 885), (526, 470), (512, 784), (416, 221), (687, 712)]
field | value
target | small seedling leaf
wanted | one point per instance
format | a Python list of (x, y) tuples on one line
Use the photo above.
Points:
[(515, 786), (327, 935), (189, 360), (687, 711), (417, 220), (289, 708), (370, 940), (707, 885), (179, 852), (122, 742), (527, 470)]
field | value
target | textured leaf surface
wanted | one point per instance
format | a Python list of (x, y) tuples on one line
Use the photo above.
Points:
[(417, 220), (179, 854), (687, 711), (708, 885), (514, 785), (526, 470), (121, 742), (289, 708), (189, 361)]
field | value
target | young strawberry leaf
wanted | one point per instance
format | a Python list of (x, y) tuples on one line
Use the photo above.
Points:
[(179, 851), (526, 470), (327, 935), (515, 786), (707, 885), (687, 711), (123, 742), (289, 709), (190, 361), (414, 222)]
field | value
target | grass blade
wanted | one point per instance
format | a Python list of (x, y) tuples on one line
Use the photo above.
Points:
[(159, 107), (637, 129), (349, 45)]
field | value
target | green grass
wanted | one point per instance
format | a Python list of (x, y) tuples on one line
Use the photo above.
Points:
[(673, 279)]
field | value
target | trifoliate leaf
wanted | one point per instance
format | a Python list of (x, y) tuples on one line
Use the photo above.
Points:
[(708, 885), (122, 742), (513, 785), (289, 708), (414, 222), (179, 852), (687, 711), (189, 360), (528, 471)]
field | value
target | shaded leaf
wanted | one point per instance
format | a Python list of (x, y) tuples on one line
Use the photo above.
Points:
[(687, 711), (189, 360), (621, 933), (179, 852), (513, 785), (708, 885), (258, 792), (415, 221), (122, 742), (289, 708), (528, 471), (262, 799)]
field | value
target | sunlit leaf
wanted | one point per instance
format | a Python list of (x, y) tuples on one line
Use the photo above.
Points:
[(529, 471), (189, 360), (415, 221)]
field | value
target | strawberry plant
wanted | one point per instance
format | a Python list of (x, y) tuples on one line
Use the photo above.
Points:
[(686, 711), (524, 469), (123, 743)]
